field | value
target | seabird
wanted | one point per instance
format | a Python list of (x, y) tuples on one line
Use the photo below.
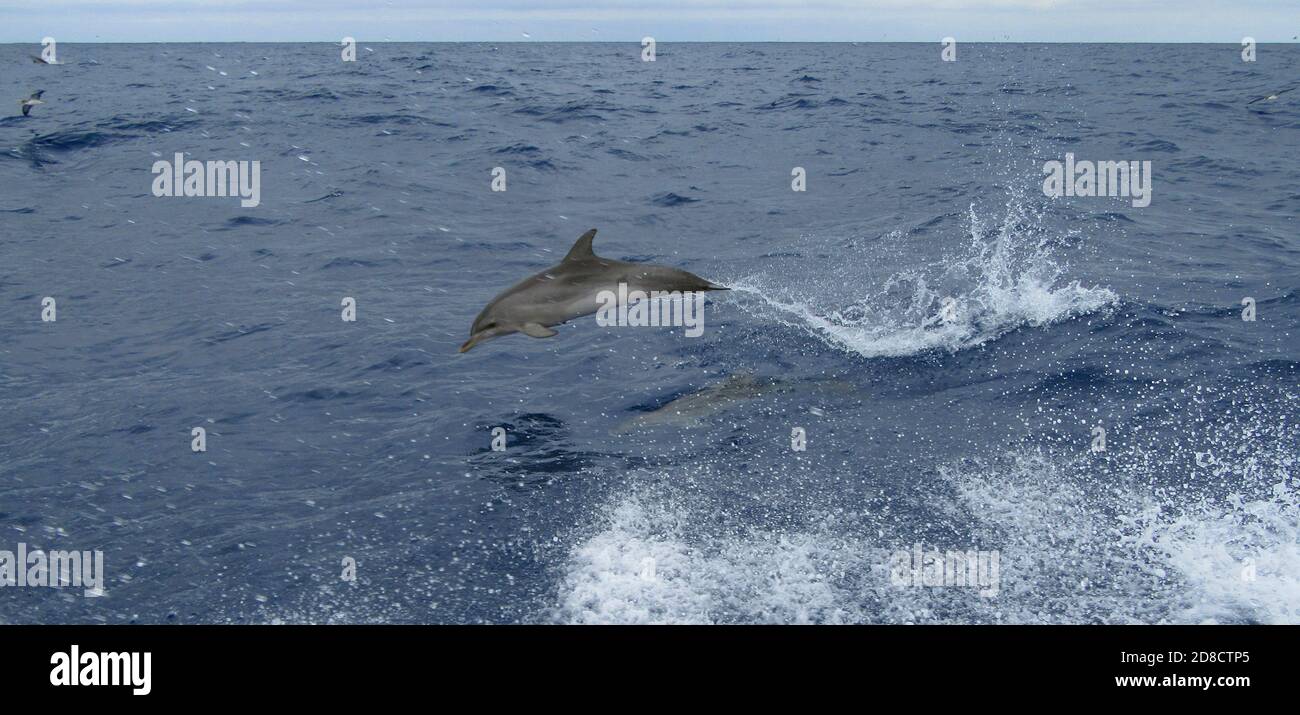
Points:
[(1272, 96), (31, 101)]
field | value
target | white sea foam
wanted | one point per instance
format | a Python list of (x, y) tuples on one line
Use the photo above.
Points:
[(1097, 551), (1005, 278), (763, 578), (1241, 559), (1075, 548)]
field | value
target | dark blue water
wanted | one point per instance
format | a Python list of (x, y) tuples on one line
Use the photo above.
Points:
[(371, 440)]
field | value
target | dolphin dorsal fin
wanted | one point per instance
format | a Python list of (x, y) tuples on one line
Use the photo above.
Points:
[(582, 249)]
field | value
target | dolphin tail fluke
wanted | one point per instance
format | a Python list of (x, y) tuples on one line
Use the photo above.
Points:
[(690, 281)]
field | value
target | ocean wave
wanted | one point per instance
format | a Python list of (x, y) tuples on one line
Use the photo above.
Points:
[(72, 140), (393, 118), (493, 90), (670, 199), (568, 111)]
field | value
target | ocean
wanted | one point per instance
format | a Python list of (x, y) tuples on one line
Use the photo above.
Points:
[(1097, 397)]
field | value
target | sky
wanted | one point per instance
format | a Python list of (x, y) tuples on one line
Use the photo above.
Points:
[(1227, 21)]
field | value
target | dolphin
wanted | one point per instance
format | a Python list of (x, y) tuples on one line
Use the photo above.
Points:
[(30, 102), (568, 290), (692, 409)]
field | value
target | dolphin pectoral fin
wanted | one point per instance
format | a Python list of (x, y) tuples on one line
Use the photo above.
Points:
[(537, 330)]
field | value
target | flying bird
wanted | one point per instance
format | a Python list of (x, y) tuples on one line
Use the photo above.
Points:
[(31, 101), (1272, 96)]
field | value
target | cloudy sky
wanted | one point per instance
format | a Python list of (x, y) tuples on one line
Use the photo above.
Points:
[(27, 21)]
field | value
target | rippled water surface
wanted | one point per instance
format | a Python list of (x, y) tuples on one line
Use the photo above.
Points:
[(371, 440)]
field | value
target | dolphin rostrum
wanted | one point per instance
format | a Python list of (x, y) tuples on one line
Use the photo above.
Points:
[(569, 290)]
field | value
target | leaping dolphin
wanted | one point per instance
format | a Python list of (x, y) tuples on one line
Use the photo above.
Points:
[(569, 290), (31, 101)]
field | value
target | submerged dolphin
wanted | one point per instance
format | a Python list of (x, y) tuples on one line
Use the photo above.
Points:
[(690, 410), (568, 290)]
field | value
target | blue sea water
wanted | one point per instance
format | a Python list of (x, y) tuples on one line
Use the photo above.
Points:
[(370, 440)]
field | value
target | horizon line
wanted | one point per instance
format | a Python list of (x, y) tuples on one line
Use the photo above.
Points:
[(1235, 43)]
